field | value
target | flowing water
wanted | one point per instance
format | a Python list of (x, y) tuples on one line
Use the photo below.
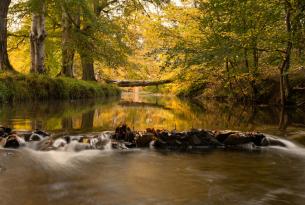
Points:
[(143, 176)]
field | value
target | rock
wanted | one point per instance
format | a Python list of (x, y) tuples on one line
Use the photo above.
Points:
[(258, 138), (25, 135), (159, 143), (239, 138), (41, 133), (123, 132), (206, 138), (195, 140), (221, 136), (13, 142), (101, 141), (164, 135), (124, 138), (268, 141), (36, 137), (84, 140), (43, 145), (5, 131), (59, 143), (144, 139)]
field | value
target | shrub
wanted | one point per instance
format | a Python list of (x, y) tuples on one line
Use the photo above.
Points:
[(41, 87)]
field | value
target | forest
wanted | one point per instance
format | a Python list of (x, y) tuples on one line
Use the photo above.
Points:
[(242, 50), (148, 102)]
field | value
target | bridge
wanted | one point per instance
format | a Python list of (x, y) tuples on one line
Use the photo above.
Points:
[(138, 83)]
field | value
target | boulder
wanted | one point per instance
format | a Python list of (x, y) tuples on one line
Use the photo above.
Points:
[(13, 142), (209, 139), (239, 138), (36, 137), (5, 131), (144, 139), (268, 141), (221, 136), (123, 132)]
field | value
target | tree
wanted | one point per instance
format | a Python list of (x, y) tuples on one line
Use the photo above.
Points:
[(70, 21), (4, 60), (38, 36), (103, 34)]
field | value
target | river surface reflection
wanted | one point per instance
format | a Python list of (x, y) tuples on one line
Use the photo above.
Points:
[(213, 177), (162, 112)]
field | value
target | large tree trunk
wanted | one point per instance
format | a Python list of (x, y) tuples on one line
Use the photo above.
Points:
[(38, 35), (4, 61), (284, 67), (86, 60), (88, 120), (68, 51), (88, 67)]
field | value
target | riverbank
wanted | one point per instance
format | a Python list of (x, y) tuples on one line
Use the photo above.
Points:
[(19, 87), (242, 88)]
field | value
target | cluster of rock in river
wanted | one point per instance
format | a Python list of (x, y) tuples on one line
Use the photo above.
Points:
[(124, 138)]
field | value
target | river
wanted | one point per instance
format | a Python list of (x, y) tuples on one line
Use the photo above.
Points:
[(143, 176)]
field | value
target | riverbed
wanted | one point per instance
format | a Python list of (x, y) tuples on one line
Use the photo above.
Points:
[(145, 176)]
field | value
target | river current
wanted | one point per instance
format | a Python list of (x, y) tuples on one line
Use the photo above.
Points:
[(144, 176)]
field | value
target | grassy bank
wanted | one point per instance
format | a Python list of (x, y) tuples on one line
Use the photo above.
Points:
[(40, 87)]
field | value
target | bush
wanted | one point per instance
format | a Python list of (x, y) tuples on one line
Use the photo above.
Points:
[(41, 87)]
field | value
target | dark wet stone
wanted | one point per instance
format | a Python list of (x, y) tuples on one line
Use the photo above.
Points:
[(26, 135), (35, 137), (258, 138), (205, 137), (268, 141), (143, 140), (159, 143), (41, 133), (5, 131), (164, 135), (12, 142), (124, 138), (221, 136), (195, 140), (238, 139), (123, 132)]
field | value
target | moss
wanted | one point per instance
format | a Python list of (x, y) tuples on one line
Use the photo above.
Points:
[(41, 87)]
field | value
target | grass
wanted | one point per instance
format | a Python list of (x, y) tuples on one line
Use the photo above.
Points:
[(19, 87)]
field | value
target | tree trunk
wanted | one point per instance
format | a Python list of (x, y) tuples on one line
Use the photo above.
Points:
[(67, 45), (67, 123), (254, 73), (86, 60), (88, 120), (283, 122), (88, 67), (38, 35), (4, 60), (284, 67)]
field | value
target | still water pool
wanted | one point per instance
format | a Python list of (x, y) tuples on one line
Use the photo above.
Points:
[(268, 176)]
